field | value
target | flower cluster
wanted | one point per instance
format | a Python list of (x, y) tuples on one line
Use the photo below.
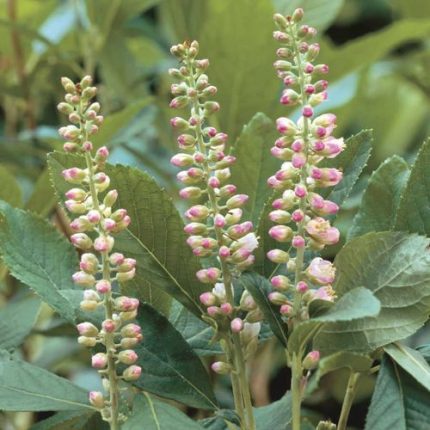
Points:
[(215, 227), (299, 212), (101, 269)]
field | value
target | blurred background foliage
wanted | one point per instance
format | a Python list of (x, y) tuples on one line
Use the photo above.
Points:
[(379, 57)]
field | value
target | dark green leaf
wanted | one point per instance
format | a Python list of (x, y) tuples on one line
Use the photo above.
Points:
[(411, 361), (260, 288), (170, 367), (150, 413), (381, 198), (39, 256), (254, 163), (413, 214), (16, 321), (398, 402), (24, 387), (395, 267), (352, 161), (72, 420), (42, 199), (155, 237), (277, 415)]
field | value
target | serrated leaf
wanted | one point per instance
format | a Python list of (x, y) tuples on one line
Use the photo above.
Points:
[(318, 13), (413, 214), (24, 387), (10, 190), (155, 237), (381, 198), (197, 333), (170, 367), (150, 413), (411, 361), (42, 199), (72, 420), (352, 162), (16, 321), (260, 288), (395, 267), (398, 402), (254, 163), (366, 50), (38, 256), (356, 304)]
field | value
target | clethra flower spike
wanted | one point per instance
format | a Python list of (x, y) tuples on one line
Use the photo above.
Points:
[(95, 225), (303, 146)]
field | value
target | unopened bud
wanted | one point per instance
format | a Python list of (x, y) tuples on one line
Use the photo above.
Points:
[(87, 341), (311, 360), (96, 399), (127, 357), (132, 373), (221, 367)]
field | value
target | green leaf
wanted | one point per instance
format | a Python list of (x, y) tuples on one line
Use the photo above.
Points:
[(368, 49), (197, 333), (170, 367), (381, 198), (413, 214), (72, 420), (236, 72), (254, 163), (398, 402), (260, 288), (24, 387), (352, 161), (277, 415), (38, 256), (395, 267), (339, 360), (42, 199), (318, 13), (10, 191), (356, 304), (113, 124), (411, 361), (150, 413), (155, 237), (16, 321)]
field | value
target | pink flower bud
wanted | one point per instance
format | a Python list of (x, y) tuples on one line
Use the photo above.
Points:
[(286, 126), (190, 193), (131, 330), (278, 256), (197, 213), (297, 215), (99, 360), (214, 182), (224, 252), (307, 111), (127, 357), (110, 198), (208, 276), (77, 194), (94, 216), (277, 298), (103, 286), (311, 360), (286, 310), (102, 153), (87, 329), (104, 243), (195, 228), (74, 207), (89, 342), (302, 287), (280, 216), (298, 160), (116, 259), (300, 191), (221, 367), (237, 201), (213, 311), (109, 326), (227, 190), (281, 233), (126, 304), (208, 299), (297, 146), (236, 325), (83, 279), (182, 160), (129, 342), (74, 175), (132, 373), (298, 242), (280, 282), (96, 399)]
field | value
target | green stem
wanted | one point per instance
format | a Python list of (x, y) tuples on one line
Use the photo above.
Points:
[(239, 379), (109, 337), (348, 400), (296, 390)]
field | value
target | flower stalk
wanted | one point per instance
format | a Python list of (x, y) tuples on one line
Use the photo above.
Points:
[(101, 269), (299, 213), (216, 233)]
